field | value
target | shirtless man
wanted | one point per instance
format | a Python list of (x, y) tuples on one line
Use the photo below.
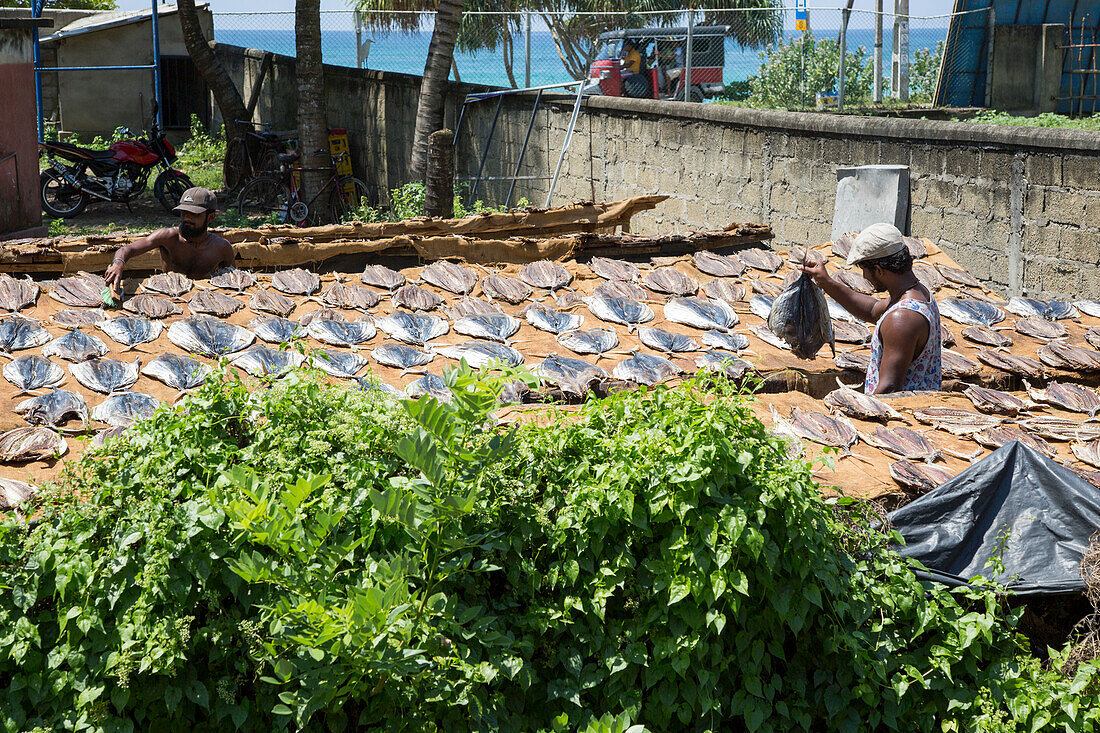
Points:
[(905, 346), (188, 249)]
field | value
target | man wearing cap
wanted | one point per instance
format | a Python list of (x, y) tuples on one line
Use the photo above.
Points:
[(905, 346), (188, 249)]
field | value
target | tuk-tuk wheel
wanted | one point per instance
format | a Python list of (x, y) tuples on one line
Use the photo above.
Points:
[(696, 94)]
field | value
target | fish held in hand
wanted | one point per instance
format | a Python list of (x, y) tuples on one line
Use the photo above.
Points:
[(800, 317)]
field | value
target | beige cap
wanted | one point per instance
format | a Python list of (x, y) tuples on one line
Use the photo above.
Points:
[(877, 240)]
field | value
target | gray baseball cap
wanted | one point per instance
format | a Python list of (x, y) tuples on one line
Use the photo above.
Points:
[(197, 200)]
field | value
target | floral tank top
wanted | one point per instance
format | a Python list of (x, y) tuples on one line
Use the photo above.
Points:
[(925, 373)]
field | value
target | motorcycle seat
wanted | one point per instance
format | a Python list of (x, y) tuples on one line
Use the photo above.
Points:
[(69, 148)]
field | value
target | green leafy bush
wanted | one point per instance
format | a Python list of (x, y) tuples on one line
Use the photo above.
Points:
[(202, 154), (792, 74), (1046, 119), (924, 73), (407, 202), (311, 557)]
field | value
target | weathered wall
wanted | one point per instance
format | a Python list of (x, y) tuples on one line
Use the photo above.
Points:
[(1018, 207), (20, 211)]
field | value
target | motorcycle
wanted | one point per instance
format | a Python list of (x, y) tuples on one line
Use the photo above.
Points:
[(117, 174)]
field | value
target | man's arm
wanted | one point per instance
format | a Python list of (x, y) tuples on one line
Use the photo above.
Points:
[(865, 307), (900, 332), (148, 243)]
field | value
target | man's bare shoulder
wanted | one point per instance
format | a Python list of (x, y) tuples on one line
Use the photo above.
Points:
[(903, 322)]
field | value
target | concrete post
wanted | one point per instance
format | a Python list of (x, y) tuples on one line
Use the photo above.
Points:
[(900, 65), (439, 190), (878, 51), (527, 49)]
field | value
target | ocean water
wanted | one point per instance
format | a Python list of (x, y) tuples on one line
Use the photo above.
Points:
[(406, 52)]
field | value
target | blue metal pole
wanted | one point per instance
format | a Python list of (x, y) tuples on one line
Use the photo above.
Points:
[(36, 12), (156, 60)]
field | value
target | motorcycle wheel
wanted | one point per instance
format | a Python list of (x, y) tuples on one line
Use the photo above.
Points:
[(169, 187), (59, 199)]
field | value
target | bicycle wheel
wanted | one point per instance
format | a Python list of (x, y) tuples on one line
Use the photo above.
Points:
[(264, 200), (345, 198), (235, 165)]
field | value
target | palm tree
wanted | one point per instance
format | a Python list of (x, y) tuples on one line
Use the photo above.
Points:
[(429, 108), (312, 120)]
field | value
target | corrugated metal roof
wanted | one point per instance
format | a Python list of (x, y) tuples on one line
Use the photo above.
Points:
[(103, 21)]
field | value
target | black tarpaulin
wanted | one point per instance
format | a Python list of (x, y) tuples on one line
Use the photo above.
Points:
[(1048, 512)]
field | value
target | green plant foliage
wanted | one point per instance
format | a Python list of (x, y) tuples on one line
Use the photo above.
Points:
[(1046, 119), (57, 228), (201, 156), (924, 73), (309, 557), (792, 74), (407, 202)]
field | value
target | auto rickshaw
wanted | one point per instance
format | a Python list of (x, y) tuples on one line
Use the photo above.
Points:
[(664, 52)]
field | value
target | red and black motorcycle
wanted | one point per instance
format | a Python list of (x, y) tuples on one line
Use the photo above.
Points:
[(119, 173)]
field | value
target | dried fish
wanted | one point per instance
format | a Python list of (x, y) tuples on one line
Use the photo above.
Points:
[(341, 333), (902, 443), (275, 330), (179, 372), (619, 310), (413, 328), (15, 295), (592, 341), (268, 301), (1059, 309), (1041, 328), (1025, 366), (761, 259), (946, 337), (482, 353), (1060, 355), (383, 277), (343, 364), (35, 443), (415, 298), (855, 281), (296, 281), (349, 297), (106, 375), (125, 408), (470, 306), (621, 289), (82, 290), (1004, 434), (545, 274), (53, 408), (215, 303), (929, 276), (209, 336), (610, 269), (724, 290), (1068, 396), (1092, 336), (76, 345), (1031, 307), (102, 436), (569, 300), (800, 317), (971, 312), (919, 476), (645, 369), (725, 340), (818, 428), (152, 306), (986, 336), (17, 332), (851, 333), (401, 356), (77, 317), (859, 405), (230, 278), (790, 279), (721, 361), (553, 321), (767, 289), (702, 313), (993, 400), (1059, 428), (131, 330), (495, 327), (1090, 308), (172, 284), (261, 361), (765, 334), (662, 340), (430, 385), (957, 276), (843, 245), (670, 280), (956, 421), (1087, 452), (915, 246), (761, 306), (956, 366), (321, 314), (450, 277), (718, 265), (855, 361), (570, 375), (14, 492), (837, 312), (33, 372)]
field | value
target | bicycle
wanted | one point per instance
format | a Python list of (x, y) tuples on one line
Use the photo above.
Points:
[(251, 154), (276, 200)]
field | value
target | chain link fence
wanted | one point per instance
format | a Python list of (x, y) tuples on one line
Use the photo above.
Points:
[(760, 58)]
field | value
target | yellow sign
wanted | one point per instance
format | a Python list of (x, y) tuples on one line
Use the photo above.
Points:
[(337, 146), (801, 25)]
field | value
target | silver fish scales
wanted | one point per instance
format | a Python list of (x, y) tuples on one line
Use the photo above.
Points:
[(482, 353), (33, 372), (645, 369), (380, 276), (718, 265), (35, 443), (666, 341), (402, 356), (765, 334), (413, 328), (214, 303), (261, 361), (671, 281), (592, 341), (702, 313), (75, 346), (415, 298), (131, 330), (610, 269), (508, 289), (430, 385), (449, 276), (970, 312), (125, 408), (621, 289), (343, 364), (761, 306), (106, 375), (800, 317), (552, 321), (725, 340), (209, 336), (14, 493), (323, 314), (15, 295), (341, 333), (628, 312), (17, 333), (276, 330), (470, 306), (53, 408), (495, 327), (568, 374), (545, 274), (729, 364), (179, 372), (296, 281)]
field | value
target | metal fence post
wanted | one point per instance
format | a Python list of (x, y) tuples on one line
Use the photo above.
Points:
[(36, 12), (878, 51), (846, 13), (156, 62), (687, 55), (527, 49)]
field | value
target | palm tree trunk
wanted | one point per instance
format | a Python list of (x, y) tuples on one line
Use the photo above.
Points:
[(429, 110), (226, 95), (312, 124)]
